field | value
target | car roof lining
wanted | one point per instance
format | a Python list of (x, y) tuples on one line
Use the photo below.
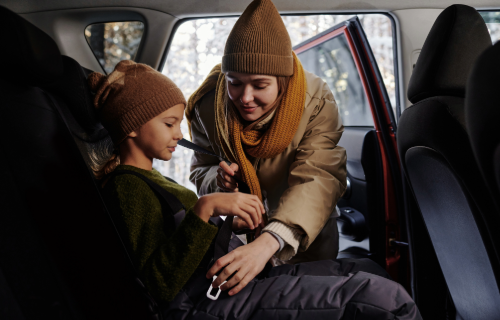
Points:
[(191, 8)]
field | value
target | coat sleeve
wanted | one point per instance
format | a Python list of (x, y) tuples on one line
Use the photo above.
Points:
[(165, 260), (203, 167), (317, 177)]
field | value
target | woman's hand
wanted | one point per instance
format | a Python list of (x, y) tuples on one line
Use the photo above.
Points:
[(247, 207), (239, 224), (225, 174), (247, 261)]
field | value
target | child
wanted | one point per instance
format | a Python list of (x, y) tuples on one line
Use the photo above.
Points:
[(142, 110)]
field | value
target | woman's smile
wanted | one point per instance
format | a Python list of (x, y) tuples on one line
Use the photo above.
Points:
[(249, 109)]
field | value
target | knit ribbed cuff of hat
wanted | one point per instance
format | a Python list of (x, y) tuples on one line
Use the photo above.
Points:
[(142, 113), (258, 63)]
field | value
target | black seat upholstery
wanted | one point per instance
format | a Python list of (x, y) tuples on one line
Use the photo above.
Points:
[(438, 161), (482, 111), (72, 89), (60, 255)]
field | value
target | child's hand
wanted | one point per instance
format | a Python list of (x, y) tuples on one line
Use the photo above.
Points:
[(245, 206), (225, 180)]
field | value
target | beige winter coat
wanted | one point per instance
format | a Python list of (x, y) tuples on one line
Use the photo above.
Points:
[(302, 184)]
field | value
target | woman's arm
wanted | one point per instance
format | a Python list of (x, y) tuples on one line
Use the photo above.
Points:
[(203, 167), (316, 181)]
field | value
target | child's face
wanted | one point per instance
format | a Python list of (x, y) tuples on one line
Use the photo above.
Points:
[(158, 137)]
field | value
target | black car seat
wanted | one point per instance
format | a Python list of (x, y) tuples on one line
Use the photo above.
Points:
[(72, 89), (482, 109), (60, 255), (439, 163)]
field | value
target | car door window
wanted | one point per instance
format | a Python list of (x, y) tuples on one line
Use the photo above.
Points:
[(112, 42), (492, 19), (333, 62), (378, 29)]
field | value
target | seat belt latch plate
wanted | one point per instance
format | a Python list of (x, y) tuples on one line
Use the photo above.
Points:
[(210, 288)]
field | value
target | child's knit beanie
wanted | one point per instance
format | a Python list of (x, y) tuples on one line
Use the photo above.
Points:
[(130, 96), (259, 42)]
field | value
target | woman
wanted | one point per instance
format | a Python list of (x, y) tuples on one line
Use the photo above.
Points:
[(142, 110), (280, 126)]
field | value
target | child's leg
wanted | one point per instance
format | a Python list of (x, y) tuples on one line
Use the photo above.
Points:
[(357, 296), (338, 267)]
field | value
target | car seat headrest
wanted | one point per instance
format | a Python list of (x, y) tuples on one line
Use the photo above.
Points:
[(31, 56), (459, 35), (73, 88)]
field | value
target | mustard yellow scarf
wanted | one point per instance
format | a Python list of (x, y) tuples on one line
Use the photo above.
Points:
[(238, 142)]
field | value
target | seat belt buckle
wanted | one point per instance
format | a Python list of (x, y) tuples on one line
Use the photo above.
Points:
[(210, 288)]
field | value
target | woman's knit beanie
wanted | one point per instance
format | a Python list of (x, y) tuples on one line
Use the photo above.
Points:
[(130, 96), (259, 42)]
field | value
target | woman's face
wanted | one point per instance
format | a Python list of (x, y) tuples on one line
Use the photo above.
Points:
[(157, 138), (252, 94)]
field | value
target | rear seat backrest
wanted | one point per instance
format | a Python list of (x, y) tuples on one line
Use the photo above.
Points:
[(73, 90), (54, 224)]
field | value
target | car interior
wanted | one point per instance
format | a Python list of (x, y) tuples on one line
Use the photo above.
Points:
[(423, 164)]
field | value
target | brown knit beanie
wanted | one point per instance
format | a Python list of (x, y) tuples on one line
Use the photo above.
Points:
[(130, 96), (259, 42)]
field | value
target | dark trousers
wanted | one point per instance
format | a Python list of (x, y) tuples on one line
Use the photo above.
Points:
[(328, 289)]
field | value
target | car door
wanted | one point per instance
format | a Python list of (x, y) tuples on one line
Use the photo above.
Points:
[(371, 219)]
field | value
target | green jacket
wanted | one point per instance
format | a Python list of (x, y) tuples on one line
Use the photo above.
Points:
[(164, 259)]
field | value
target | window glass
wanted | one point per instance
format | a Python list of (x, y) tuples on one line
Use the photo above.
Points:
[(378, 30), (198, 45), (333, 62), (113, 42), (492, 19)]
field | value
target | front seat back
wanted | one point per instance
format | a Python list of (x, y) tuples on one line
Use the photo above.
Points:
[(438, 161), (482, 111), (59, 251)]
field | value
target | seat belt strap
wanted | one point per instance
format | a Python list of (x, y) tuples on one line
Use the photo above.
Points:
[(242, 186), (221, 247)]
